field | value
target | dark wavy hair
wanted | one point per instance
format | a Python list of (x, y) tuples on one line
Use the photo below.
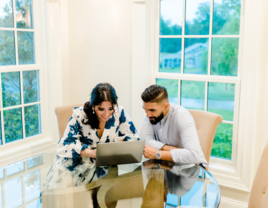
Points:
[(154, 94), (102, 92)]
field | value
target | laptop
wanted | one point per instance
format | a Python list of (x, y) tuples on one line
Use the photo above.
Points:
[(116, 153)]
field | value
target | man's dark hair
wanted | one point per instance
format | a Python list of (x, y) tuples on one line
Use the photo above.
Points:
[(154, 94)]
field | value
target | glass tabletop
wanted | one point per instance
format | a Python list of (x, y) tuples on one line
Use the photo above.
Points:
[(49, 181)]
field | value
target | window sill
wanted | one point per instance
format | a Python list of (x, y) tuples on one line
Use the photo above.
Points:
[(22, 151), (227, 175)]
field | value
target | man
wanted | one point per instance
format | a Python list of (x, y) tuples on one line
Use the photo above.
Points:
[(169, 130)]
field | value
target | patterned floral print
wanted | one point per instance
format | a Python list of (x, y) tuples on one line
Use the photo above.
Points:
[(69, 167)]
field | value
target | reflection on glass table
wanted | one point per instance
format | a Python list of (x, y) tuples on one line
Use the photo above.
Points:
[(143, 184)]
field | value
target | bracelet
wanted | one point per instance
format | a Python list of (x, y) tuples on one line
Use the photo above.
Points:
[(163, 147)]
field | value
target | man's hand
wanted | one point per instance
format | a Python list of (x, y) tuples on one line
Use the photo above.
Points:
[(149, 152)]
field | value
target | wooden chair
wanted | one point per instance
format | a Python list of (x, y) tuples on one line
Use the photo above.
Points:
[(64, 114), (206, 125), (259, 192)]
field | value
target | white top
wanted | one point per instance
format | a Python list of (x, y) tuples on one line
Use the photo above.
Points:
[(176, 129)]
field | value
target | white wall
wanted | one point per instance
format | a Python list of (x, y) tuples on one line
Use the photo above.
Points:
[(99, 49), (96, 47)]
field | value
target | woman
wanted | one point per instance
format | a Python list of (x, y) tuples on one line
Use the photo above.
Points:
[(101, 120)]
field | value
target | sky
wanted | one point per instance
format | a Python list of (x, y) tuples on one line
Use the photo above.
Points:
[(2, 5), (172, 9)]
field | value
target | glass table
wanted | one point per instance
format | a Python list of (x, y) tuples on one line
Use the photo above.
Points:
[(145, 184)]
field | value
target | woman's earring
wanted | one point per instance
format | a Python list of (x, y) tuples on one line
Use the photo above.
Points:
[(93, 110)]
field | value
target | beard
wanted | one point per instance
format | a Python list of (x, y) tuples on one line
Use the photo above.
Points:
[(155, 120)]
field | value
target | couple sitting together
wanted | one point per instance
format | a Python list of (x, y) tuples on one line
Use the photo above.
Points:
[(168, 130)]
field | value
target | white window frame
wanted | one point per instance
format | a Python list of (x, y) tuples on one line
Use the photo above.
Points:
[(48, 61), (204, 78), (239, 175), (39, 65)]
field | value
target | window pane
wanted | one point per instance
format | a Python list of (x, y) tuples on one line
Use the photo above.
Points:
[(221, 99), (222, 145), (171, 87), (197, 17), (226, 17), (15, 168), (12, 125), (34, 161), (6, 13), (13, 192), (32, 120), (31, 86), (32, 185), (196, 56), (26, 48), (171, 17), (224, 58), (170, 55), (7, 45), (193, 94), (11, 89), (24, 14)]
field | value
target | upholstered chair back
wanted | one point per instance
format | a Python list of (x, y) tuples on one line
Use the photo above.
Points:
[(206, 125), (64, 114), (259, 192)]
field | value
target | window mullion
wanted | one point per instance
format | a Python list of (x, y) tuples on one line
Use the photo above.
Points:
[(32, 67), (206, 96), (22, 106), (157, 41), (15, 31), (182, 39), (210, 36), (211, 16), (2, 111), (179, 92), (228, 122), (235, 125)]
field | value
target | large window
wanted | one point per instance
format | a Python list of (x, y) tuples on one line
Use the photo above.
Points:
[(20, 71), (197, 49)]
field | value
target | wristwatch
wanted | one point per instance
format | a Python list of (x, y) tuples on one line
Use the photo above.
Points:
[(158, 155)]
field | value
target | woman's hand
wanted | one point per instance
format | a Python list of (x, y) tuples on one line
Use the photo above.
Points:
[(89, 153)]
